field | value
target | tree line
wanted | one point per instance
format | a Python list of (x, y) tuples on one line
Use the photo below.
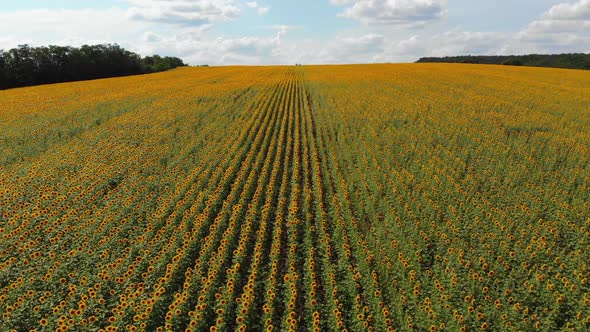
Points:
[(567, 60), (26, 65)]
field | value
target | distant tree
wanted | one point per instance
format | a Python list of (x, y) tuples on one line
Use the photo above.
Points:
[(25, 65), (513, 62), (3, 70), (157, 63), (572, 60)]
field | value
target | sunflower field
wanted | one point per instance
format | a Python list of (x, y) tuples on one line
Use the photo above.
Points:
[(393, 197)]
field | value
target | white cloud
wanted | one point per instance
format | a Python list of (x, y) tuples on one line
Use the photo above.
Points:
[(260, 9), (197, 48), (449, 43), (565, 27), (380, 48), (193, 43), (342, 49), (182, 12), (401, 12), (151, 37), (263, 10), (67, 27), (189, 34), (579, 10), (8, 42)]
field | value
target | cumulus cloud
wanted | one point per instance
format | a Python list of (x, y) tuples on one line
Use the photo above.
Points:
[(352, 49), (260, 9), (401, 12), (184, 29), (151, 37), (263, 10), (565, 27), (198, 48), (448, 43), (579, 10), (182, 12), (8, 42), (67, 27), (342, 49), (378, 48), (193, 43)]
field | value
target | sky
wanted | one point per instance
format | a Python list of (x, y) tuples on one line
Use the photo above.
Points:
[(226, 32)]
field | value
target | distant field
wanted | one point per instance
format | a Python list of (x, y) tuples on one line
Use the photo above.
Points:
[(368, 197)]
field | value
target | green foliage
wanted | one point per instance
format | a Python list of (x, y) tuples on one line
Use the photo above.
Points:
[(157, 63), (569, 60), (25, 65)]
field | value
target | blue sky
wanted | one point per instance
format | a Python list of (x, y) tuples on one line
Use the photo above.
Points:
[(221, 32)]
